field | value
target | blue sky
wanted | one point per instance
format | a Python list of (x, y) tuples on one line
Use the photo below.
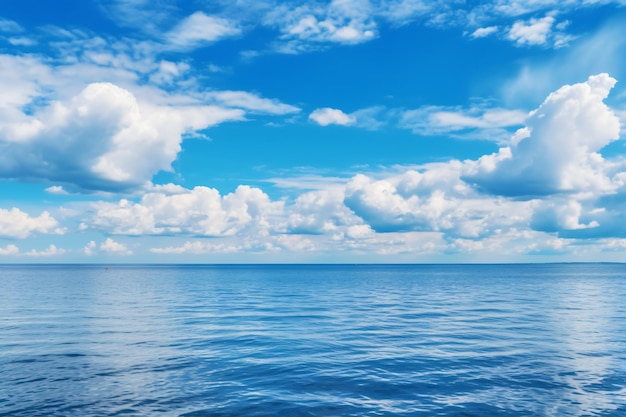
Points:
[(299, 131)]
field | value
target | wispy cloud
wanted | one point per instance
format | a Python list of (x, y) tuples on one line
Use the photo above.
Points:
[(200, 29)]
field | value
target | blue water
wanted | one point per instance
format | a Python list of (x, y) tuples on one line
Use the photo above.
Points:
[(513, 340)]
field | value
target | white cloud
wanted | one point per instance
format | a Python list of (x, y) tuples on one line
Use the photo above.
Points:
[(10, 26), (111, 246), (435, 200), (22, 41), (559, 215), (483, 32), (101, 139), (201, 211), (15, 223), (321, 211), (531, 32), (199, 29), (9, 250), (249, 101), (327, 116), (476, 122), (89, 248), (51, 250), (599, 52), (201, 248), (169, 71), (560, 152), (56, 189), (310, 26)]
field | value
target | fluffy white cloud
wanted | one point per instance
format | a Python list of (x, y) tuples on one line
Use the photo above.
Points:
[(201, 211), (15, 223), (9, 250), (89, 248), (199, 29), (327, 116), (554, 216), (435, 200), (560, 151), (532, 32), (310, 26), (101, 139), (56, 189), (320, 211), (111, 246)]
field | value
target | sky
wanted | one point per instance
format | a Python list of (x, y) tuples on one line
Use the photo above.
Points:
[(344, 131)]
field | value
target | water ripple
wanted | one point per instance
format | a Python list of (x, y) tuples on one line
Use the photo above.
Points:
[(516, 340)]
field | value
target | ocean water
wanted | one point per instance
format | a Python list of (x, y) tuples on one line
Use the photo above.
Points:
[(429, 340)]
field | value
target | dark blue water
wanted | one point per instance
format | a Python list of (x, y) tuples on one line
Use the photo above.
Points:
[(515, 340)]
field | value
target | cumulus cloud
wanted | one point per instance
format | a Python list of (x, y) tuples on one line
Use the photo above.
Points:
[(51, 250), (201, 211), (555, 216), (15, 223), (9, 250), (320, 211), (89, 248), (309, 26), (101, 139), (434, 200), (559, 151), (531, 32), (56, 189), (199, 29), (111, 246), (327, 116)]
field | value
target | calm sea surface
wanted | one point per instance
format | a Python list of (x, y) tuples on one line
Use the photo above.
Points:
[(457, 340)]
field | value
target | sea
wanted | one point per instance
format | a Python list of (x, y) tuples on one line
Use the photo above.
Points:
[(313, 340)]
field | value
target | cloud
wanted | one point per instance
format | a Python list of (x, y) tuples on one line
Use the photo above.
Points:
[(476, 122), (201, 211), (320, 211), (56, 189), (436, 200), (599, 52), (249, 101), (558, 216), (531, 32), (9, 250), (265, 245), (327, 116), (111, 246), (10, 26), (560, 151), (199, 29), (101, 139), (15, 223), (308, 27), (89, 248), (483, 32), (51, 250)]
